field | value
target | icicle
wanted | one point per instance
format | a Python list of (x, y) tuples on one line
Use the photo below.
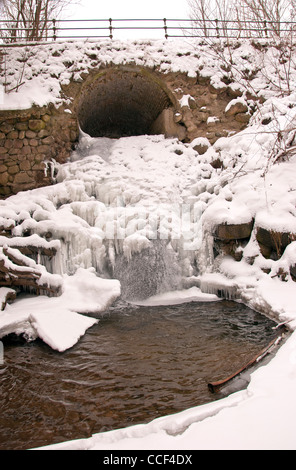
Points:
[(219, 285)]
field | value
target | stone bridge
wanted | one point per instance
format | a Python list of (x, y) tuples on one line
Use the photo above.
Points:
[(112, 100)]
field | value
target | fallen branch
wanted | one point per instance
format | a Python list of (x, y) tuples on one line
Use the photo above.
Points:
[(215, 387)]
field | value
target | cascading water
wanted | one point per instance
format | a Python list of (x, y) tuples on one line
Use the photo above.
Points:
[(129, 208), (151, 271), (127, 214)]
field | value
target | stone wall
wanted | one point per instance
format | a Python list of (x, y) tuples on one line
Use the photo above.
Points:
[(30, 140)]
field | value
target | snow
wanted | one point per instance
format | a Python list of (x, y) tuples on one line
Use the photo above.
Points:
[(193, 294), (115, 197), (61, 321)]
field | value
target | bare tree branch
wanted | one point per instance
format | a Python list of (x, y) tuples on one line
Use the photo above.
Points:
[(261, 15), (29, 20)]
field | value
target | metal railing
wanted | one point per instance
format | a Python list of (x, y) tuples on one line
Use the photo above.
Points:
[(166, 28)]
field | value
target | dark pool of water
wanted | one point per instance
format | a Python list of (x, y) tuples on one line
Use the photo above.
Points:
[(136, 364)]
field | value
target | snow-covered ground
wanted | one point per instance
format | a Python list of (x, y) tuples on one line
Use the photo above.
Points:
[(115, 198)]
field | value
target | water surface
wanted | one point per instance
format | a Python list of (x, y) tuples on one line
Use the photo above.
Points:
[(136, 364)]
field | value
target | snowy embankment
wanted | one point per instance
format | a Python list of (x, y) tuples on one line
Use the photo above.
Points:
[(112, 203), (61, 321)]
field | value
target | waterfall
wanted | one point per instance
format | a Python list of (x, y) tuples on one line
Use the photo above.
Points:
[(151, 271)]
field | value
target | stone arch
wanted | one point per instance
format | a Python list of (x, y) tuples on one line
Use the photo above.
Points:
[(124, 101)]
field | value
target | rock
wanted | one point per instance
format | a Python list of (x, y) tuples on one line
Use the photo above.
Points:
[(217, 163), (36, 125), (25, 165), (229, 248), (12, 170), (6, 127), (3, 150), (23, 178), (165, 124), (242, 117), (293, 272), (234, 231), (21, 126), (6, 295), (31, 134), (235, 107), (200, 145), (217, 87), (4, 179), (234, 90), (265, 250), (272, 241), (12, 135)]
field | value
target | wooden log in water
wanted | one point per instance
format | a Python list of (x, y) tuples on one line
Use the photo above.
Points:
[(215, 387)]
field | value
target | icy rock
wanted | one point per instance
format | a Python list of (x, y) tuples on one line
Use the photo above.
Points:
[(234, 231)]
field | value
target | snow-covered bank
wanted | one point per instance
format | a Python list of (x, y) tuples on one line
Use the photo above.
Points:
[(61, 321)]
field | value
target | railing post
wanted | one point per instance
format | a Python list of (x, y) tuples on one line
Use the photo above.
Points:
[(217, 29), (110, 28), (265, 28), (165, 28), (54, 30)]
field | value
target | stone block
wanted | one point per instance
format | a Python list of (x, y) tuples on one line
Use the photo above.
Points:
[(234, 231), (4, 178), (43, 133), (21, 126), (30, 134), (23, 178), (46, 118), (26, 150), (12, 170), (46, 149), (25, 165), (272, 241), (6, 127), (36, 125), (12, 135), (48, 140)]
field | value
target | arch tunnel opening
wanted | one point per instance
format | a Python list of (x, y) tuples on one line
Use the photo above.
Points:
[(122, 102)]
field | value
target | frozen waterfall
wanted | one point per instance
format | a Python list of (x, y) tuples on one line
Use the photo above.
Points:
[(127, 208)]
